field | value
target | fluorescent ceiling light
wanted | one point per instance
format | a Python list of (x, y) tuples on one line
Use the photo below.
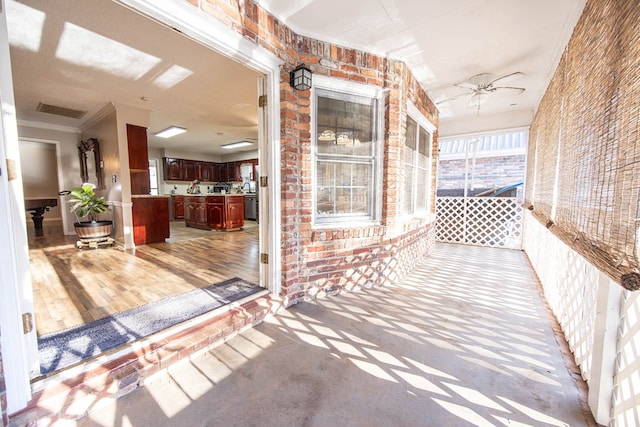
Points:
[(170, 131), (237, 144)]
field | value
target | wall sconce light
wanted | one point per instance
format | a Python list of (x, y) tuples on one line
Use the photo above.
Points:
[(300, 78)]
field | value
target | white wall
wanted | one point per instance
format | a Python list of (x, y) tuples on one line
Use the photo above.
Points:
[(68, 142), (39, 168)]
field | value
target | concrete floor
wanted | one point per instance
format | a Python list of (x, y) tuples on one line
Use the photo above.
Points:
[(464, 340)]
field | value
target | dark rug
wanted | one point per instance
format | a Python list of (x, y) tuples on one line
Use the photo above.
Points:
[(64, 348)]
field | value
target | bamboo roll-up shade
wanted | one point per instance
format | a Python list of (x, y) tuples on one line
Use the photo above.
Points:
[(590, 118), (547, 138)]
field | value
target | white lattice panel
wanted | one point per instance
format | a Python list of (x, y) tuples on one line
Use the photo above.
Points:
[(570, 286), (626, 398), (481, 221)]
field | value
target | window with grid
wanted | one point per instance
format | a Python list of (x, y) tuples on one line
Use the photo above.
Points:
[(417, 171), (345, 156)]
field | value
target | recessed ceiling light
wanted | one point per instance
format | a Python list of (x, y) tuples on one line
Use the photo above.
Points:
[(237, 144), (170, 131)]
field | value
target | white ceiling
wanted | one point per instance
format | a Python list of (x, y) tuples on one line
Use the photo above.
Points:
[(84, 55)]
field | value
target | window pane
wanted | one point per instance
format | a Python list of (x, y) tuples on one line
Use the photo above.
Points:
[(345, 127), (345, 155), (343, 188)]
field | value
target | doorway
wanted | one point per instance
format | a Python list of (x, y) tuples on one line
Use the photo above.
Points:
[(90, 303)]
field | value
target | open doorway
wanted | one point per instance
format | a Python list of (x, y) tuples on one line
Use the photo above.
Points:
[(72, 286)]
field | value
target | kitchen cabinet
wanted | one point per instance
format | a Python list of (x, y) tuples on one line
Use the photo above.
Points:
[(215, 211), (178, 206), (188, 170), (234, 212), (195, 211), (204, 171), (222, 212), (138, 159), (172, 169), (150, 219)]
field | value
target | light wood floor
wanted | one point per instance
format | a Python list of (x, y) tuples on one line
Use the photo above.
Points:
[(74, 286)]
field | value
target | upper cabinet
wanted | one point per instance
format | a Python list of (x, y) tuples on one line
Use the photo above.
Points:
[(189, 170), (138, 159), (172, 169)]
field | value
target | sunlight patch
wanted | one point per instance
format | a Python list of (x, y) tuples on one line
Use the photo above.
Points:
[(373, 369), (311, 340), (429, 370), (24, 26), (85, 48), (419, 382), (346, 348), (475, 397), (536, 415), (464, 413)]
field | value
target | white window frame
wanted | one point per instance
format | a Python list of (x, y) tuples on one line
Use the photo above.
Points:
[(357, 89), (414, 113)]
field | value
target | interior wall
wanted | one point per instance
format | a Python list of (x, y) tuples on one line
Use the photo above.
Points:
[(105, 131), (68, 142), (39, 166)]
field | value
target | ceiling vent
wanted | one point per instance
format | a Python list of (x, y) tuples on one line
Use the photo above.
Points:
[(60, 111)]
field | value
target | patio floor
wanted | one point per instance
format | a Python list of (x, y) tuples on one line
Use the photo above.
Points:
[(465, 339)]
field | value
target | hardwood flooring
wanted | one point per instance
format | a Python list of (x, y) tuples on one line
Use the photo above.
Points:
[(74, 286)]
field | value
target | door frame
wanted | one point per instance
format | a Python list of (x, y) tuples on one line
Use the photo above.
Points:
[(19, 349), (202, 28), (64, 212)]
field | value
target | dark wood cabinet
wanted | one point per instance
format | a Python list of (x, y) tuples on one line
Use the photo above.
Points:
[(150, 219), (214, 212), (195, 211), (137, 147), (178, 207), (234, 212), (172, 169), (188, 170), (204, 171), (138, 159)]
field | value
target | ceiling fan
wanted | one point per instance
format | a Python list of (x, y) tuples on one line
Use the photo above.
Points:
[(482, 85)]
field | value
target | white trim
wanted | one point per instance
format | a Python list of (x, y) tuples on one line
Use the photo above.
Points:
[(19, 350), (98, 116), (362, 90), (48, 126), (425, 123), (197, 25), (486, 133)]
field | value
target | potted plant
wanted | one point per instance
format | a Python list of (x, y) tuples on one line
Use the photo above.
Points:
[(86, 204)]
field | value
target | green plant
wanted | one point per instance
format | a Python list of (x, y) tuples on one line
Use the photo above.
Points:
[(86, 204)]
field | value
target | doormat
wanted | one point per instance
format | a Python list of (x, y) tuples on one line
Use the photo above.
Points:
[(61, 349)]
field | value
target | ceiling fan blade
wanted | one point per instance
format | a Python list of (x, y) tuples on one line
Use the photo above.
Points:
[(453, 98), (507, 78), (467, 85), (519, 90)]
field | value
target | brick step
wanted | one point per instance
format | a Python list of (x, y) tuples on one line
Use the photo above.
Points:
[(69, 394)]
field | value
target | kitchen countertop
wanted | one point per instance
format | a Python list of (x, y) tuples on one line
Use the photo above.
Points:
[(149, 196)]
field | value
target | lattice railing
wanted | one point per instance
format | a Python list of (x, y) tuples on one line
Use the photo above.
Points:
[(626, 402), (481, 221)]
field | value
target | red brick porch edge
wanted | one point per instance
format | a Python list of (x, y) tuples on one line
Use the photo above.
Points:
[(66, 396)]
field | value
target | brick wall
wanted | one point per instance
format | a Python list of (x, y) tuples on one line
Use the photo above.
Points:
[(489, 172), (314, 261)]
